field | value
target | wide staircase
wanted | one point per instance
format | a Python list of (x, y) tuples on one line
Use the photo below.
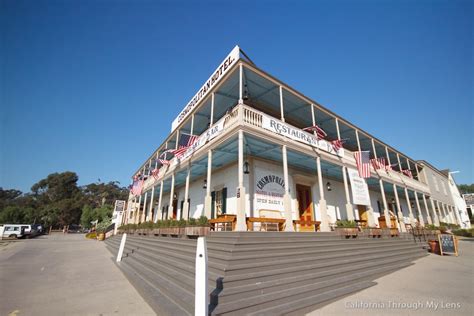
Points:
[(260, 273)]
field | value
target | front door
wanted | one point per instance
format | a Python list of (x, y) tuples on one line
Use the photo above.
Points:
[(363, 215), (175, 208), (305, 207)]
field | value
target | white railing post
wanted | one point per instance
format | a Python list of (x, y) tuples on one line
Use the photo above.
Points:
[(122, 246), (201, 299)]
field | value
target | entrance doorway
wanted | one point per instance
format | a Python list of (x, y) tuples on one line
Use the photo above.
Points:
[(363, 215), (305, 207), (175, 208)]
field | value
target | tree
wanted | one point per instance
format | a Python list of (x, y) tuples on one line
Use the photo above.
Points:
[(90, 214), (466, 188), (59, 198)]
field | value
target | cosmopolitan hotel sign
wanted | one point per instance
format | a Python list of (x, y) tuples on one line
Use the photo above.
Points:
[(218, 74)]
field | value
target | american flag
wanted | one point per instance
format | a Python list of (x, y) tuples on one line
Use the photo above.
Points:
[(320, 133), (162, 158), (137, 187), (378, 163), (408, 173), (155, 173), (337, 144), (389, 167), (363, 163), (185, 141)]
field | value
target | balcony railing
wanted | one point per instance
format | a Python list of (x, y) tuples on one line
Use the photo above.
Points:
[(247, 115)]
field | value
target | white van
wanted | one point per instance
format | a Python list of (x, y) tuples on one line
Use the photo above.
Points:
[(12, 231)]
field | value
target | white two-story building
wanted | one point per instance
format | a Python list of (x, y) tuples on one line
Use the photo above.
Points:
[(252, 157)]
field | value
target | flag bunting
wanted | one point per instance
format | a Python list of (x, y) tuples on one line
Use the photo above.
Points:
[(378, 163), (337, 144), (320, 133)]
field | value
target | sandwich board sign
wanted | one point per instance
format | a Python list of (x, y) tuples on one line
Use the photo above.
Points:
[(447, 244)]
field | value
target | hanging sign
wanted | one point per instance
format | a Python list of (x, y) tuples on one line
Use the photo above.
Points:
[(211, 133), (287, 130), (216, 76), (269, 190), (360, 190)]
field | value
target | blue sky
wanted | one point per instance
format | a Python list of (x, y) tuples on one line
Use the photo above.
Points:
[(92, 86)]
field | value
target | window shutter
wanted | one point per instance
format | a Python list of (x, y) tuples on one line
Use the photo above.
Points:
[(213, 196), (224, 201)]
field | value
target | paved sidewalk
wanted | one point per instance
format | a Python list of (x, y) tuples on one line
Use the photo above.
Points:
[(64, 275), (435, 285)]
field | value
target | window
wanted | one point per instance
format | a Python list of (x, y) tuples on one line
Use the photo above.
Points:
[(219, 205), (435, 183), (444, 188)]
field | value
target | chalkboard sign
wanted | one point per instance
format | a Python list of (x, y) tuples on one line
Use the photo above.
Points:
[(447, 244)]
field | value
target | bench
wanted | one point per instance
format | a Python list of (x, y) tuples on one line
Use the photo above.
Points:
[(269, 220), (224, 222)]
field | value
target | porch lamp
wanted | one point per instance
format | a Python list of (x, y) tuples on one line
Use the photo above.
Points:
[(246, 94), (328, 186), (246, 167), (246, 163)]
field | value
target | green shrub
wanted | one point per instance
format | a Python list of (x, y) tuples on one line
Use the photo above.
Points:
[(192, 222), (464, 232), (165, 223), (102, 226), (202, 221), (182, 223), (346, 224), (449, 226), (92, 235), (431, 227)]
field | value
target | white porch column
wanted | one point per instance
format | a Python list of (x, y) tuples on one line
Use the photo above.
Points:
[(428, 216), (159, 214), (386, 213), (456, 215), (349, 209), (170, 206), (185, 210), (401, 222), (410, 211), (208, 198), (137, 213), (282, 111), (436, 217), (211, 119), (323, 209), (442, 211), (420, 213), (286, 197), (144, 207), (241, 74), (452, 214), (150, 212), (241, 223)]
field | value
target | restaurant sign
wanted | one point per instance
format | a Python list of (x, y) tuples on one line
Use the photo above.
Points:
[(287, 130), (216, 76), (269, 190)]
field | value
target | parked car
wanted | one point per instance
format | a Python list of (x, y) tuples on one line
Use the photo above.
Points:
[(38, 228), (12, 231), (29, 231)]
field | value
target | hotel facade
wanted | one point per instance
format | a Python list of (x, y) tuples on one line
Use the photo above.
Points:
[(252, 157)]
